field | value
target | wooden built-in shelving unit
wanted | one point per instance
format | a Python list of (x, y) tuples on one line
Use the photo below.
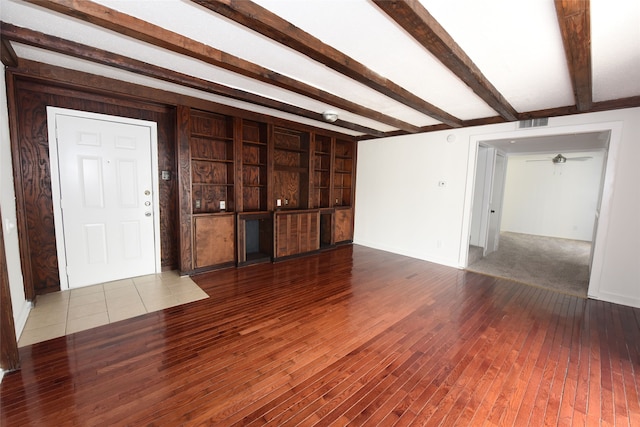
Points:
[(322, 172), (254, 166), (254, 192)]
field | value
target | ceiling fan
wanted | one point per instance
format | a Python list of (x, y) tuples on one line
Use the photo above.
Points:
[(561, 159)]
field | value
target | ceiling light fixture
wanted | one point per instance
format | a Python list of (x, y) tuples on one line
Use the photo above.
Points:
[(330, 116)]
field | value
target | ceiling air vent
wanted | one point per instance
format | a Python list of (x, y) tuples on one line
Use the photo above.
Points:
[(533, 123)]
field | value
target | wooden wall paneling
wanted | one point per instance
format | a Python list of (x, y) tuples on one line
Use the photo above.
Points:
[(308, 165), (33, 86), (271, 194), (239, 190), (9, 356), (33, 180), (343, 173), (321, 171), (213, 165), (33, 156), (291, 168), (254, 165), (22, 225), (184, 189)]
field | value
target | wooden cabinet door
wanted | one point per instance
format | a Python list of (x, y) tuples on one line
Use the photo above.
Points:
[(297, 233), (214, 239), (343, 225)]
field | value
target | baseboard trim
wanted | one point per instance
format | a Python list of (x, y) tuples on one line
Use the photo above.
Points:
[(21, 318), (617, 299)]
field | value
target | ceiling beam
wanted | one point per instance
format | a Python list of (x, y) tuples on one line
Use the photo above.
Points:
[(77, 50), (121, 23), (423, 27), (271, 25), (7, 54), (575, 27)]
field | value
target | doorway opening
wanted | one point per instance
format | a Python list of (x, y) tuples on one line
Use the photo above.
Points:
[(548, 216)]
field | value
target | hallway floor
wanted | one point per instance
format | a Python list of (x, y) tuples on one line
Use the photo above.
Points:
[(551, 263), (62, 313)]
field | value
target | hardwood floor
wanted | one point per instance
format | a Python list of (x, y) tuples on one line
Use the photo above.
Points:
[(351, 336)]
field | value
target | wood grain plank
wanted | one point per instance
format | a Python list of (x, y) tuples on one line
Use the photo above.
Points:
[(347, 336)]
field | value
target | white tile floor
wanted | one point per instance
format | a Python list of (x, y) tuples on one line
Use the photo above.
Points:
[(66, 312)]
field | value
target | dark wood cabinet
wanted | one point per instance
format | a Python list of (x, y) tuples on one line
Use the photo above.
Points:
[(296, 232), (255, 237), (257, 192), (343, 229), (214, 240), (207, 189)]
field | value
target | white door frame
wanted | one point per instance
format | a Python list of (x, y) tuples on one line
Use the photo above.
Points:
[(607, 193), (52, 112)]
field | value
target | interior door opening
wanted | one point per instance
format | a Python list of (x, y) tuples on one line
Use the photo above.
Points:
[(543, 201)]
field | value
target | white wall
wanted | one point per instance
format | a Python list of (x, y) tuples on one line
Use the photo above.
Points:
[(556, 200), (400, 208), (8, 206), (399, 205)]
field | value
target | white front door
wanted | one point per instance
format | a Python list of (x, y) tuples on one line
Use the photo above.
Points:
[(106, 213)]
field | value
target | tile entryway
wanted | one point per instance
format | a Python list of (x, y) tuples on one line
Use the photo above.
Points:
[(62, 313)]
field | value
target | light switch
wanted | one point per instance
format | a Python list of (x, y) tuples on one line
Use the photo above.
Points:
[(223, 205)]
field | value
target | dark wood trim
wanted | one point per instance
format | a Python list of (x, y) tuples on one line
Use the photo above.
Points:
[(185, 238), (9, 356), (575, 27), (156, 99), (7, 54), (77, 50), (267, 23), (614, 104), (424, 28), (144, 31)]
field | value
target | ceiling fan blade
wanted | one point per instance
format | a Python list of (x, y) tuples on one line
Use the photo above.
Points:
[(579, 159), (539, 160)]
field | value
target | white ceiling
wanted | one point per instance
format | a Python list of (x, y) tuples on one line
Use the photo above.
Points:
[(517, 46)]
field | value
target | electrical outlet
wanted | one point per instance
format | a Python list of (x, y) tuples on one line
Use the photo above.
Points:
[(166, 175), (286, 202), (197, 203), (279, 202)]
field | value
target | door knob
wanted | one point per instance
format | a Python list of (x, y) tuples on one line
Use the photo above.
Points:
[(147, 214)]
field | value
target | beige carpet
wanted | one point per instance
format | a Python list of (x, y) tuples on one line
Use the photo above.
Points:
[(558, 264)]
